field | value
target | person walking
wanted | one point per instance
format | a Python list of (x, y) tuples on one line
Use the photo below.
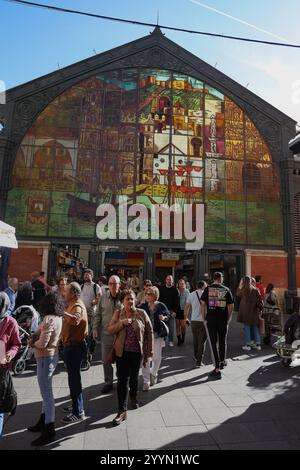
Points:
[(193, 305), (9, 338), (260, 286), (141, 297), (102, 283), (90, 292), (169, 296), (73, 336), (157, 312), (61, 285), (24, 295), (133, 342), (180, 320), (38, 288), (45, 344), (250, 309), (11, 291), (217, 308), (109, 303)]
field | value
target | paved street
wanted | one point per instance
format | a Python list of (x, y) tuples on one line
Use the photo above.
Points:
[(254, 406)]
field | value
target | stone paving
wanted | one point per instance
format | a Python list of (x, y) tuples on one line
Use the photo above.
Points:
[(254, 406)]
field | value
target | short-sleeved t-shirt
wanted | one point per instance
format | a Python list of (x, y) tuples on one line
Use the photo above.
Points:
[(217, 298)]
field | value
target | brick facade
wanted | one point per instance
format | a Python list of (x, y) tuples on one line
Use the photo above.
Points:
[(272, 268)]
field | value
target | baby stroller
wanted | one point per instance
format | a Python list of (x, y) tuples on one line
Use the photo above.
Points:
[(288, 346), (28, 319), (273, 323), (287, 352)]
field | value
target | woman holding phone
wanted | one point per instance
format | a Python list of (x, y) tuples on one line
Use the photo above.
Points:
[(133, 341)]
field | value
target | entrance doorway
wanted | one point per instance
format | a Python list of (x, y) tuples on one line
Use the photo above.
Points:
[(231, 265)]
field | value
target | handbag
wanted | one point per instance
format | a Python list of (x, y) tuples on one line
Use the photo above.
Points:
[(163, 330), (111, 357), (8, 395)]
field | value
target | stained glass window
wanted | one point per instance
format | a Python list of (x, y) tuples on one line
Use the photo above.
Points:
[(156, 137)]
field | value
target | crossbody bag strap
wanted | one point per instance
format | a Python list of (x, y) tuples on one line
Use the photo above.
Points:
[(198, 297)]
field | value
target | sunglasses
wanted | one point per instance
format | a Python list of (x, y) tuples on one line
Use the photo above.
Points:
[(148, 293)]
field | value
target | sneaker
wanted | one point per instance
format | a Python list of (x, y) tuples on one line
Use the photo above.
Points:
[(153, 380), (171, 344), (121, 416), (215, 375), (257, 347), (68, 409), (71, 418), (223, 364), (199, 364), (246, 348), (146, 387)]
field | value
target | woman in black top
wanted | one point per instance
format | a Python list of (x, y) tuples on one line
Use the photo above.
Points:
[(157, 312)]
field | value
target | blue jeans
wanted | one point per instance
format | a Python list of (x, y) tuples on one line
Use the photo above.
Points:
[(252, 332), (171, 325), (45, 369), (1, 422), (73, 356)]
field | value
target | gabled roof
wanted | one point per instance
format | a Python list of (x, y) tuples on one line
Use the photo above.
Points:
[(164, 53)]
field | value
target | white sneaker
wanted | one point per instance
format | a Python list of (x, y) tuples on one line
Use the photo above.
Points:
[(171, 344), (153, 380), (246, 348), (146, 387), (257, 347)]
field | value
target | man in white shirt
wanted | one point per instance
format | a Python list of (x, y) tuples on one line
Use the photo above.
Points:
[(90, 292), (103, 285), (197, 322)]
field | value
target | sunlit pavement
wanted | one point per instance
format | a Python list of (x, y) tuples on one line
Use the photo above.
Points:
[(254, 406)]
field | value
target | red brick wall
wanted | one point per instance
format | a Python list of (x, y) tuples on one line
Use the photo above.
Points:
[(272, 269), (24, 261)]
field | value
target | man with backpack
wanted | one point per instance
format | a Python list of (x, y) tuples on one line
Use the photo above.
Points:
[(193, 305), (90, 292)]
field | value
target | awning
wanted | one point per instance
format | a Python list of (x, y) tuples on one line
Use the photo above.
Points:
[(8, 236)]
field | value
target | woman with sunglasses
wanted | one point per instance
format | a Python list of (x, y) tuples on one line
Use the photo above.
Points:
[(141, 297), (157, 312)]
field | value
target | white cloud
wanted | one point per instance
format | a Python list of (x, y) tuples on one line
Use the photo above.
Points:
[(276, 80)]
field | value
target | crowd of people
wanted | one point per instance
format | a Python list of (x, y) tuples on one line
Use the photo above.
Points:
[(132, 326)]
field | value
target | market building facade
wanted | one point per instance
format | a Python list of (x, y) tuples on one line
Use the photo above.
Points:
[(152, 122)]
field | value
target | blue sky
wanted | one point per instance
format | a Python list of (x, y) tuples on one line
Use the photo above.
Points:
[(35, 41)]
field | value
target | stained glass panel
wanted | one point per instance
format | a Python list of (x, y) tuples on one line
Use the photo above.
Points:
[(156, 137)]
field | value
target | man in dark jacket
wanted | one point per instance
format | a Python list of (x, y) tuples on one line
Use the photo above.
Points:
[(169, 295)]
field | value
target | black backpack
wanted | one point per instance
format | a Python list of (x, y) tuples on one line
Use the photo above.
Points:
[(8, 395)]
